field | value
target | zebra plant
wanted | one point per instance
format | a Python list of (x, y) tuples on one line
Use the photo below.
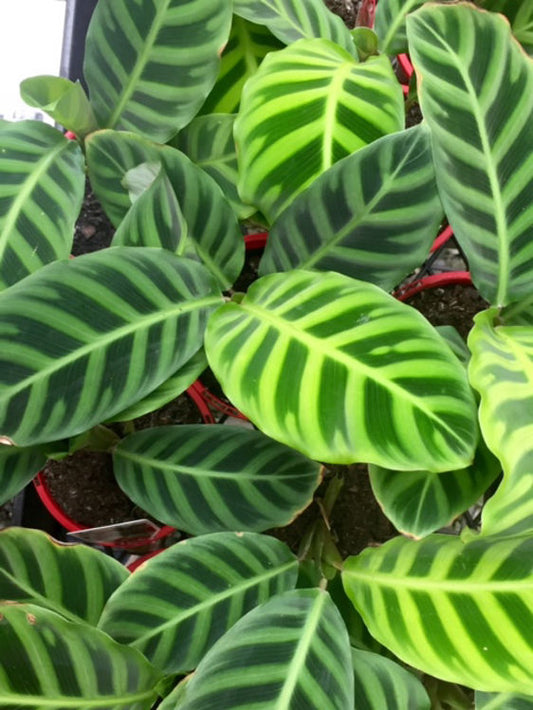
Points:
[(327, 365)]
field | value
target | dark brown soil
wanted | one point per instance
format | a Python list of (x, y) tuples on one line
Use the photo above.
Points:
[(347, 9), (93, 230), (450, 305), (84, 485)]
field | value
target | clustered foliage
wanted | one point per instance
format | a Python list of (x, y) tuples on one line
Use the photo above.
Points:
[(298, 124)]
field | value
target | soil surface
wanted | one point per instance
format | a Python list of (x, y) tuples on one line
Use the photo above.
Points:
[(93, 229), (347, 9), (450, 305)]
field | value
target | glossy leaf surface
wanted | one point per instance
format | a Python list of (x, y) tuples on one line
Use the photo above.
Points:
[(321, 342), (180, 602), (462, 612), (72, 580), (150, 65), (307, 107), (48, 662), (382, 683), (82, 340), (212, 226), (208, 142), (203, 479), (293, 651), (372, 216), (41, 188), (418, 502), (247, 46), (290, 20), (482, 139), (501, 370)]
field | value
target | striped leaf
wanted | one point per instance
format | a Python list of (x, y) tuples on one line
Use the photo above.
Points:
[(418, 502), (48, 662), (291, 652), (208, 142), (372, 216), (301, 344), (82, 340), (503, 701), (291, 20), (460, 612), (520, 15), (176, 697), (65, 101), (72, 580), (150, 65), (180, 602), (481, 138), (501, 370), (381, 683), (212, 226), (389, 24), (18, 467), (203, 479), (41, 188), (307, 107), (169, 390), (247, 46)]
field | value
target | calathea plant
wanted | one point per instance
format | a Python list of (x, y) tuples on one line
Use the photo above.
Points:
[(326, 364)]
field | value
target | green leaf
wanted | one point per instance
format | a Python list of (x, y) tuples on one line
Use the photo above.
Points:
[(72, 580), (389, 24), (307, 107), (503, 701), (418, 502), (180, 602), (41, 193), (65, 101), (155, 219), (208, 142), (520, 15), (455, 341), (482, 139), (461, 612), (82, 340), (48, 662), (247, 46), (501, 370), (202, 479), (372, 216), (169, 390), (293, 651), (302, 344), (291, 20), (212, 226), (381, 683), (150, 65), (18, 467)]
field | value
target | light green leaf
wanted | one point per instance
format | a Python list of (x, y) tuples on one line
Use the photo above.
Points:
[(48, 662), (180, 602), (501, 370), (65, 101), (40, 196), (82, 340), (291, 20), (381, 683), (150, 65), (208, 142), (418, 502), (204, 479), (247, 46), (72, 580), (389, 24), (372, 216), (503, 701), (302, 343), (520, 15), (213, 229), (307, 107), (460, 612), (482, 139), (293, 651)]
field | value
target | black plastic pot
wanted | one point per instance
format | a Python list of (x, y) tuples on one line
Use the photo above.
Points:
[(77, 18)]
